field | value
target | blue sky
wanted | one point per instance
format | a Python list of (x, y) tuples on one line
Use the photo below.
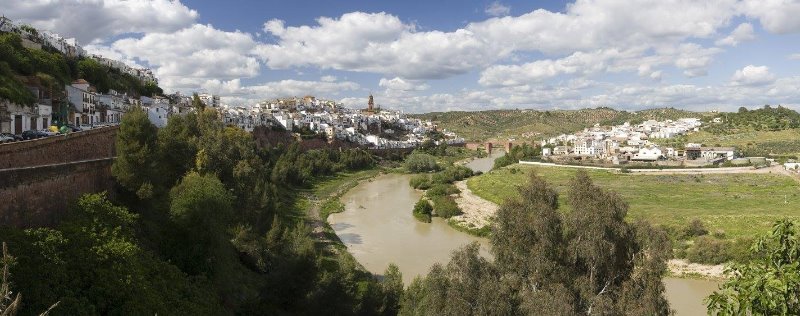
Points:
[(421, 56)]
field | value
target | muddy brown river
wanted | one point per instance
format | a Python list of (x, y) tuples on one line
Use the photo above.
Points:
[(377, 227)]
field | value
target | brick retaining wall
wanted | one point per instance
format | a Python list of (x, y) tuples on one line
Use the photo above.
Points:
[(41, 196), (92, 144)]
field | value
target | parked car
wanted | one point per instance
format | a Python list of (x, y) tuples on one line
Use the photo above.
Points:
[(13, 137), (73, 128), (33, 134), (48, 132), (6, 138), (86, 127)]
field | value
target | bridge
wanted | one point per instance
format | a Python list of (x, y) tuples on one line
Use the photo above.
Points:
[(40, 179)]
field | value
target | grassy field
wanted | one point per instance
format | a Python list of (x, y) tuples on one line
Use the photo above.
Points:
[(739, 204)]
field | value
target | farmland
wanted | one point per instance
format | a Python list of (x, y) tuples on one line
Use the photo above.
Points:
[(741, 205)]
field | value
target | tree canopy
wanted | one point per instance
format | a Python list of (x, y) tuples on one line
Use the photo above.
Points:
[(767, 285), (586, 261)]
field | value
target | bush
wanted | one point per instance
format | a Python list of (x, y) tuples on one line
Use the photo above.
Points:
[(445, 207), (418, 162), (422, 211), (440, 189), (709, 250), (421, 182), (695, 228), (451, 174)]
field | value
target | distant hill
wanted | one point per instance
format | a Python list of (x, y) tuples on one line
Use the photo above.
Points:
[(767, 118), (535, 124)]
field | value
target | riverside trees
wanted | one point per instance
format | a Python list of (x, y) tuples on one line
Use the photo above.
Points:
[(767, 285), (586, 261)]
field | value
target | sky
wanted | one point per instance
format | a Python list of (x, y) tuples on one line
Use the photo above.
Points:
[(423, 56)]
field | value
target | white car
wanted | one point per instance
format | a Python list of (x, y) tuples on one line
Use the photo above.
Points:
[(4, 138), (49, 132)]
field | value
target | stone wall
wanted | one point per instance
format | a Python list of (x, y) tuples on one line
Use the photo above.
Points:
[(41, 196), (87, 145)]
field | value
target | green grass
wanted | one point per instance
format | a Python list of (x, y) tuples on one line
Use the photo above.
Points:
[(740, 204)]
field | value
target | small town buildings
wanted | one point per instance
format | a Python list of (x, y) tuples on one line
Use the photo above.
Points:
[(650, 153), (713, 153)]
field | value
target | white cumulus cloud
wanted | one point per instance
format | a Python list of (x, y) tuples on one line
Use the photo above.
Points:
[(752, 76), (93, 20), (400, 84), (191, 56), (743, 32), (776, 16)]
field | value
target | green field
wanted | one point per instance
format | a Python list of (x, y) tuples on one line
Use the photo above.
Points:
[(739, 204)]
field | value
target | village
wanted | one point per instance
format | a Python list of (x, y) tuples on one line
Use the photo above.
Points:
[(638, 144), (82, 106)]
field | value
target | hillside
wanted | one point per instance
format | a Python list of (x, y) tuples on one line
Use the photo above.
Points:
[(533, 124), (51, 70)]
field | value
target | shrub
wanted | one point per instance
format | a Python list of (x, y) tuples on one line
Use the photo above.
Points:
[(421, 182), (418, 162), (451, 174), (695, 228), (445, 207), (709, 250), (440, 189), (422, 211)]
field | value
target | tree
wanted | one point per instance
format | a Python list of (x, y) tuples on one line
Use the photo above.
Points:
[(198, 104), (392, 288), (177, 148), (201, 207), (136, 165), (422, 210), (585, 261), (767, 285), (419, 162)]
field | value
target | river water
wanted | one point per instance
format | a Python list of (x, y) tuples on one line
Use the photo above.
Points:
[(377, 227)]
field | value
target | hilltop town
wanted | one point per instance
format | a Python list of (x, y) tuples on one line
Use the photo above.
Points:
[(81, 105)]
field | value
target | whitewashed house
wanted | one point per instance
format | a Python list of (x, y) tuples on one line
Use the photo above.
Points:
[(651, 153)]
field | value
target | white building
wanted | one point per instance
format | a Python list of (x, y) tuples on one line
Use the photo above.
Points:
[(209, 99), (651, 153), (158, 114), (83, 102)]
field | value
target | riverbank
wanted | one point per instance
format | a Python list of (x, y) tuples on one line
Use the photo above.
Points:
[(322, 200), (477, 213), (682, 268)]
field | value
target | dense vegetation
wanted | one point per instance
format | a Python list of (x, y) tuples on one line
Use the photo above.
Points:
[(769, 284), (710, 218), (203, 223), (422, 210), (53, 70), (517, 153), (587, 261), (767, 118), (533, 124), (421, 162)]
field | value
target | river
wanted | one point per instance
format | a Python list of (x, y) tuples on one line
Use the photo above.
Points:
[(377, 227)]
